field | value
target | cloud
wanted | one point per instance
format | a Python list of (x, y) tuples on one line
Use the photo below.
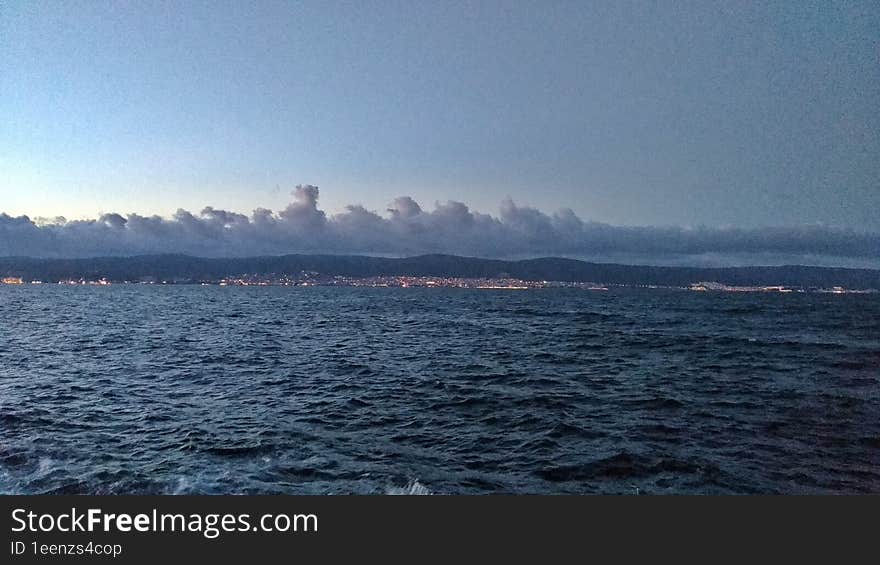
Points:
[(302, 214), (406, 228)]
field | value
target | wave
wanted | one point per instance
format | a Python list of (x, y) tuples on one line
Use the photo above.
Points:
[(412, 488)]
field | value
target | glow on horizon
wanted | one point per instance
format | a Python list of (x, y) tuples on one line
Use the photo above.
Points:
[(37, 198)]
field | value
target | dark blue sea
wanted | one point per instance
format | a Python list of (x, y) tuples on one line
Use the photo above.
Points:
[(190, 389)]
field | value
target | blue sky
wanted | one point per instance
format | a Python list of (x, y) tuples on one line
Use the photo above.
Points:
[(631, 113)]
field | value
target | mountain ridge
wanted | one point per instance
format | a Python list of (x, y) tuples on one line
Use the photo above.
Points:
[(182, 267)]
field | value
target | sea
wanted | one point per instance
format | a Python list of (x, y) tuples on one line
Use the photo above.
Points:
[(178, 389)]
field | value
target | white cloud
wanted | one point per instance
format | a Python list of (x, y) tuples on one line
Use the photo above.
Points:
[(406, 228)]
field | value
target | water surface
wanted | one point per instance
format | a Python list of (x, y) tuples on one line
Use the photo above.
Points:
[(189, 389)]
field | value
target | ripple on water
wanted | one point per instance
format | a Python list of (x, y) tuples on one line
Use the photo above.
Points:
[(404, 391)]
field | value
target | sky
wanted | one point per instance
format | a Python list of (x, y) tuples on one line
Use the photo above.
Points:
[(703, 115)]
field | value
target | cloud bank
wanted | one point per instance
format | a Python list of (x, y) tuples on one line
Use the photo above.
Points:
[(406, 228)]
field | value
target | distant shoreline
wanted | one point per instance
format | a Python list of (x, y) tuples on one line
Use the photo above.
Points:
[(434, 283), (429, 270)]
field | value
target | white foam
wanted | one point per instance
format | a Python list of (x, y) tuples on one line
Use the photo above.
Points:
[(184, 485), (44, 465), (413, 487)]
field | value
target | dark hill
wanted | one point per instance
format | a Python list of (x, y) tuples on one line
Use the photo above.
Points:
[(185, 268)]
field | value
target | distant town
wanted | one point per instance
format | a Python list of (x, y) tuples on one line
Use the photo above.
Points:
[(314, 279), (430, 271), (307, 279)]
